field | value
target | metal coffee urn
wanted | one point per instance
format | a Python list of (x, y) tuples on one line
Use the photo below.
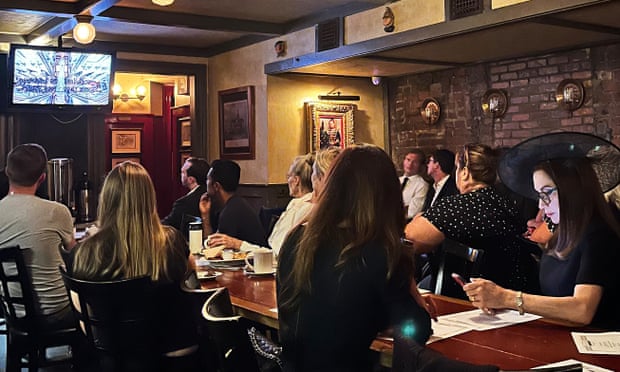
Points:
[(60, 181), (85, 202)]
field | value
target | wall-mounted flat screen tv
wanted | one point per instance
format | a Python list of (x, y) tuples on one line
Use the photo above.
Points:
[(51, 78)]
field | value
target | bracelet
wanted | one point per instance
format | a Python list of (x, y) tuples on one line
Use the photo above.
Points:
[(519, 300)]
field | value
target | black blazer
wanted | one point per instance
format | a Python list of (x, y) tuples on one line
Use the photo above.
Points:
[(449, 188), (183, 209)]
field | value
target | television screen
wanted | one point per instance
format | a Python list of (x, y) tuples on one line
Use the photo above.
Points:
[(60, 78)]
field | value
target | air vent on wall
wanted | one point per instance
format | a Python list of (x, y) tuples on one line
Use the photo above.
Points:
[(465, 8), (329, 34)]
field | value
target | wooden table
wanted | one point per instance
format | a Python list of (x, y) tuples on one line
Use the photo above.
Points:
[(520, 346)]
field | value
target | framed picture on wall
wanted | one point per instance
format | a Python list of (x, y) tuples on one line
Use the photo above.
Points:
[(126, 141), (117, 160), (236, 114), (185, 131), (183, 156), (330, 125)]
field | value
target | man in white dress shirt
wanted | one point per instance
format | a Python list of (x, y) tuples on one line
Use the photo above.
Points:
[(413, 186)]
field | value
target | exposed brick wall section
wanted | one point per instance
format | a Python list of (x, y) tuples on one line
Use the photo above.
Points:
[(530, 83)]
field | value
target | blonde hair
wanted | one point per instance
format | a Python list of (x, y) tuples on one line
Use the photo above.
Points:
[(131, 241), (324, 159)]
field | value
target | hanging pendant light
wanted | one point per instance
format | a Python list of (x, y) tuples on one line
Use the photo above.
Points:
[(84, 32)]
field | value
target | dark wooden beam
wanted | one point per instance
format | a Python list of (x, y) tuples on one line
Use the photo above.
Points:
[(528, 11), (184, 20), (553, 21)]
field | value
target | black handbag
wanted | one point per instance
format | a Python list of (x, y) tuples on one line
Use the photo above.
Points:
[(267, 352)]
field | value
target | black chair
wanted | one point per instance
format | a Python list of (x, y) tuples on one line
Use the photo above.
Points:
[(116, 317), (26, 334), (269, 217), (458, 258), (228, 334)]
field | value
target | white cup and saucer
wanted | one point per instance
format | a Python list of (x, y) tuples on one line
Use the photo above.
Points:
[(262, 262)]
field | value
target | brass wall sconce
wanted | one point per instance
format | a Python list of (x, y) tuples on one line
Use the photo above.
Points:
[(570, 94), (430, 111), (138, 93), (495, 103)]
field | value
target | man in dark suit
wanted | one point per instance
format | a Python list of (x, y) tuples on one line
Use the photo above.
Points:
[(185, 209), (440, 166)]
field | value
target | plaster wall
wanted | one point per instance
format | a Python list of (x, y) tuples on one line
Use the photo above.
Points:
[(408, 14), (289, 129)]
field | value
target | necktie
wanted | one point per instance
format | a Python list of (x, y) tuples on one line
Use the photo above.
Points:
[(402, 186)]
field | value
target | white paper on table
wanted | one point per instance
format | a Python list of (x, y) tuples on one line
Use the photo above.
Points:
[(584, 366), (597, 343), (444, 328), (479, 321)]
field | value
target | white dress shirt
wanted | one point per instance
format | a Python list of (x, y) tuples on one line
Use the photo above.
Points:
[(414, 194)]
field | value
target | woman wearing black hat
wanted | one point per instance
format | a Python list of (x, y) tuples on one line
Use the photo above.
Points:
[(579, 276)]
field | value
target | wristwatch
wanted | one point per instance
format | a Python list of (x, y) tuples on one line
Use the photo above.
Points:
[(519, 300)]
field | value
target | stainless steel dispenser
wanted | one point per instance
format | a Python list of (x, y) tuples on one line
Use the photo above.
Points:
[(60, 181)]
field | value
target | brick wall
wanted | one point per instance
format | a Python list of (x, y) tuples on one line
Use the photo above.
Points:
[(530, 84)]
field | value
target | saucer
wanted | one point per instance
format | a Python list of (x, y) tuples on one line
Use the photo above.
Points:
[(205, 275), (252, 273)]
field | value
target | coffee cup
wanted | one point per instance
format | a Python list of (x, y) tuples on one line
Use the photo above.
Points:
[(263, 261), (228, 254)]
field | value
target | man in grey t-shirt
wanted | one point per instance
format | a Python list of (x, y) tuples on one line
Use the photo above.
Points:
[(39, 227)]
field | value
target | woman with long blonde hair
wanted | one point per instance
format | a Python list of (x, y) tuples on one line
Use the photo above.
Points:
[(131, 242)]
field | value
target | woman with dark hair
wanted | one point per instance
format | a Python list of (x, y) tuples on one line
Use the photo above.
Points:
[(345, 275), (480, 218), (579, 277)]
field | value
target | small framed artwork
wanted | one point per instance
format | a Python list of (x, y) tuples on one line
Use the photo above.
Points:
[(182, 86), (236, 114), (184, 155), (186, 131), (330, 125), (126, 141), (118, 160)]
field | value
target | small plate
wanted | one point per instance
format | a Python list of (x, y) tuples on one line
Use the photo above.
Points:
[(226, 263), (252, 273), (205, 275)]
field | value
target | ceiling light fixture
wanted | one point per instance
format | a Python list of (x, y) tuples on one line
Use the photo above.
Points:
[(84, 32), (138, 93), (163, 2)]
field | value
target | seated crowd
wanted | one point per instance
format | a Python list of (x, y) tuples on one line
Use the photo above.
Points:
[(343, 230)]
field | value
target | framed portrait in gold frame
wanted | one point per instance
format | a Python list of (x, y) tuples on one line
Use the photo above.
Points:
[(330, 125)]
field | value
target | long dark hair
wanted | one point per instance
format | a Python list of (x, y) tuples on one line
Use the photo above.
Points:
[(581, 200), (360, 203)]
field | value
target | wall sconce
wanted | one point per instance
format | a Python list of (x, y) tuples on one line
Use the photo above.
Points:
[(570, 94), (430, 111), (495, 103), (138, 93), (163, 2), (337, 97), (84, 32)]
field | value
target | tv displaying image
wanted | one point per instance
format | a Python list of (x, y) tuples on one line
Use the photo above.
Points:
[(61, 78)]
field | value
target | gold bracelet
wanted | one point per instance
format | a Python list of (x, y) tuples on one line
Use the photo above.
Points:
[(519, 300)]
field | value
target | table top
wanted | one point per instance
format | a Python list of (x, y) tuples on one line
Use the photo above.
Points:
[(520, 346)]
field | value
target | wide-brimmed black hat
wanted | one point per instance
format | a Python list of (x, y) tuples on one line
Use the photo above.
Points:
[(517, 164)]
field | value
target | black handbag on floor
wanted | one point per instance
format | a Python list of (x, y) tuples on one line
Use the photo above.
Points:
[(267, 351)]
